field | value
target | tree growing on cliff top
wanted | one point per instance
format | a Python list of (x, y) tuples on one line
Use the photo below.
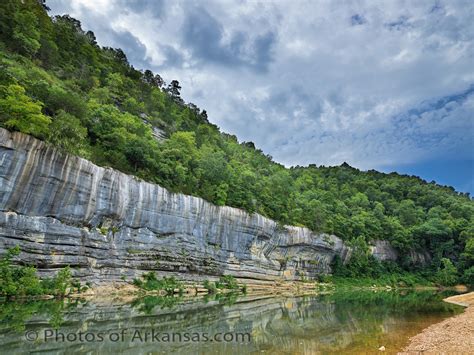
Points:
[(20, 113)]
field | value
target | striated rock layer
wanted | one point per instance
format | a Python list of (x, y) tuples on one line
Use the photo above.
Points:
[(382, 250), (109, 226)]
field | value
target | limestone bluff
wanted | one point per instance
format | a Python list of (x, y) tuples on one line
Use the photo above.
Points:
[(107, 225)]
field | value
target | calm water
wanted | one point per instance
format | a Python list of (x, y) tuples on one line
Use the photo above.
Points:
[(348, 322)]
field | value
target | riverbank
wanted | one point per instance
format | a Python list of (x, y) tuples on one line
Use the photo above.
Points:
[(453, 335), (255, 287), (252, 287)]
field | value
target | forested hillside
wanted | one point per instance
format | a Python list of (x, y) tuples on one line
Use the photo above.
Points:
[(58, 84)]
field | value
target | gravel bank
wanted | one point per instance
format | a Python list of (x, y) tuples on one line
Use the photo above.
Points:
[(452, 336)]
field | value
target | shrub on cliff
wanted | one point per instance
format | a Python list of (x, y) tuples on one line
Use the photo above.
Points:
[(22, 280), (59, 284), (150, 282), (17, 280), (227, 282)]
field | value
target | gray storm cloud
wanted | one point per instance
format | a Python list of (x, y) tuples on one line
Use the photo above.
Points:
[(367, 82)]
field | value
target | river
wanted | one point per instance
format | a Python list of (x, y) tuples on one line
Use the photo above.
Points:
[(342, 322)]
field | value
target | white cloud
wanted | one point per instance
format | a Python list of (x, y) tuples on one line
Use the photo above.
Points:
[(304, 80)]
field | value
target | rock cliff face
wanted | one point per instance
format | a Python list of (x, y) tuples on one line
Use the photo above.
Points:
[(382, 250), (64, 210)]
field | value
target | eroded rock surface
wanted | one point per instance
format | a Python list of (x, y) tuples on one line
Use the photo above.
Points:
[(382, 250), (109, 226)]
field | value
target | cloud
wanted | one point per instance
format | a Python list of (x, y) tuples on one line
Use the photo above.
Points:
[(156, 8), (173, 58), (398, 25), (376, 84), (136, 52), (357, 20), (204, 35)]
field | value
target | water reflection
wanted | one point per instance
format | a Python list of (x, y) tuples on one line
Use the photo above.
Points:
[(341, 322), (17, 315)]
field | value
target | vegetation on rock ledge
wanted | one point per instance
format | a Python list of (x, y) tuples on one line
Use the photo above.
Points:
[(22, 281), (150, 282)]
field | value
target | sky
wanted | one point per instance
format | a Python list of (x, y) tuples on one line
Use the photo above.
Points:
[(385, 85)]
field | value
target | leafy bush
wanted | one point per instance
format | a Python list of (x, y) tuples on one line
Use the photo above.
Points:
[(19, 112), (68, 133), (447, 274), (468, 276), (226, 282), (17, 280), (150, 282), (23, 281)]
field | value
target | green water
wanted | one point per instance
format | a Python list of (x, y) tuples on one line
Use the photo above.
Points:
[(344, 322)]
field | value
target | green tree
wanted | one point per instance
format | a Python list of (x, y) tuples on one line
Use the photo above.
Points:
[(62, 281), (212, 173), (19, 112), (25, 32), (178, 159), (468, 276), (17, 280), (67, 132), (447, 273), (408, 213), (19, 25), (467, 255), (434, 233), (8, 285)]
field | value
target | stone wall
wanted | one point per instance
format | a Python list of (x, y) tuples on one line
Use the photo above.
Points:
[(109, 226)]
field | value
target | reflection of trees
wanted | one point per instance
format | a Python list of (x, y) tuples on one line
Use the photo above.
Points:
[(15, 315), (147, 304)]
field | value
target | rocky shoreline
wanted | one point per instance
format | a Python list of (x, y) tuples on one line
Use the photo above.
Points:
[(285, 288), (454, 335)]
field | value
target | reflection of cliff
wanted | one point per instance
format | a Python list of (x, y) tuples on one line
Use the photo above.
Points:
[(63, 210), (267, 319), (280, 325)]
